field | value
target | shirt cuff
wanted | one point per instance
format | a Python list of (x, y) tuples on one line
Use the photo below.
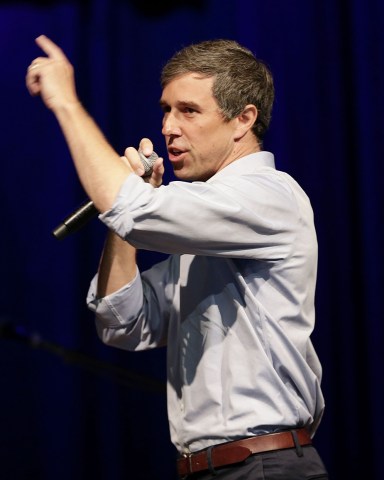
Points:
[(133, 195), (119, 308)]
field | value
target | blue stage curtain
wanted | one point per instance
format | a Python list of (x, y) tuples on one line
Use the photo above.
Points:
[(69, 417)]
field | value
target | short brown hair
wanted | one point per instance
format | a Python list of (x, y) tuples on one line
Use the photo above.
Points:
[(240, 78)]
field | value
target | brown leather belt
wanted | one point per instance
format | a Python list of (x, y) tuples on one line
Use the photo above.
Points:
[(237, 451)]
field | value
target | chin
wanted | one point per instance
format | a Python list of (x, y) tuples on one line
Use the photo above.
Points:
[(188, 176), (183, 174)]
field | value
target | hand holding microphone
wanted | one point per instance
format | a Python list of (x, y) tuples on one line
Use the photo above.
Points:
[(87, 210)]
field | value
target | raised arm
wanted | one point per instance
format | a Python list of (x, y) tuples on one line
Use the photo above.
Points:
[(99, 167)]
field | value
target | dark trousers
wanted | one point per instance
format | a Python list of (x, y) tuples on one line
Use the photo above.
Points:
[(290, 464)]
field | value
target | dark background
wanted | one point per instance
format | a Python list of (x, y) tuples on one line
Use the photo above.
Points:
[(68, 417)]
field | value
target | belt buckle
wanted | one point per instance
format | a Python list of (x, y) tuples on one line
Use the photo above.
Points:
[(188, 457), (190, 466)]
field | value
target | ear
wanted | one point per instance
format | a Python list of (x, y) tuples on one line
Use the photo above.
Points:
[(245, 121)]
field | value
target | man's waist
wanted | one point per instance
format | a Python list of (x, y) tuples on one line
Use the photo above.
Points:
[(239, 450)]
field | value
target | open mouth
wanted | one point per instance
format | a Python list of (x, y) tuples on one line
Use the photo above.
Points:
[(175, 153)]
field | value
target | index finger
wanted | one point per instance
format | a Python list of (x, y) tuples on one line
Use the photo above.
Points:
[(50, 48)]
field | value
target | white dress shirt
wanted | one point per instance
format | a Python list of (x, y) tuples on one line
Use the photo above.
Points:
[(234, 302)]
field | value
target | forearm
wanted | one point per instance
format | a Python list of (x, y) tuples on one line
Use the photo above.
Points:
[(99, 167), (117, 265)]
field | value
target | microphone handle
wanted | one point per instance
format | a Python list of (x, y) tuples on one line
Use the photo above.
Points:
[(76, 220)]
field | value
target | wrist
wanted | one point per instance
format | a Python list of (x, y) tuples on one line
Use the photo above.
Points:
[(68, 108)]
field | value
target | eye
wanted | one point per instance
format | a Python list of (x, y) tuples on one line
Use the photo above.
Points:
[(189, 110)]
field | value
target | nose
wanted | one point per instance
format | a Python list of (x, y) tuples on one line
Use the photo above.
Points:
[(170, 125)]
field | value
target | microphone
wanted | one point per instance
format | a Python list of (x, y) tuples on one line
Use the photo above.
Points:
[(87, 210)]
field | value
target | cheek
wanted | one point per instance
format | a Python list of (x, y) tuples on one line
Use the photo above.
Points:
[(206, 142)]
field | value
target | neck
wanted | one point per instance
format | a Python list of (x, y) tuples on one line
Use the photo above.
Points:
[(246, 145)]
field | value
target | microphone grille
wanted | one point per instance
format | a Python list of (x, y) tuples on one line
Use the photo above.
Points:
[(148, 162)]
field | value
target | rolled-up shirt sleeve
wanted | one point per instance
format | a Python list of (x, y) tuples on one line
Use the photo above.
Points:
[(134, 317), (249, 216)]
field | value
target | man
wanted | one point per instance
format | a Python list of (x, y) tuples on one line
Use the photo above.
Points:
[(234, 302)]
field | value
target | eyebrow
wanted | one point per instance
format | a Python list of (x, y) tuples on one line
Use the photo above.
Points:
[(179, 104)]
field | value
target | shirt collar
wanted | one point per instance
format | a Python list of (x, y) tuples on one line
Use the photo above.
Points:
[(246, 165)]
